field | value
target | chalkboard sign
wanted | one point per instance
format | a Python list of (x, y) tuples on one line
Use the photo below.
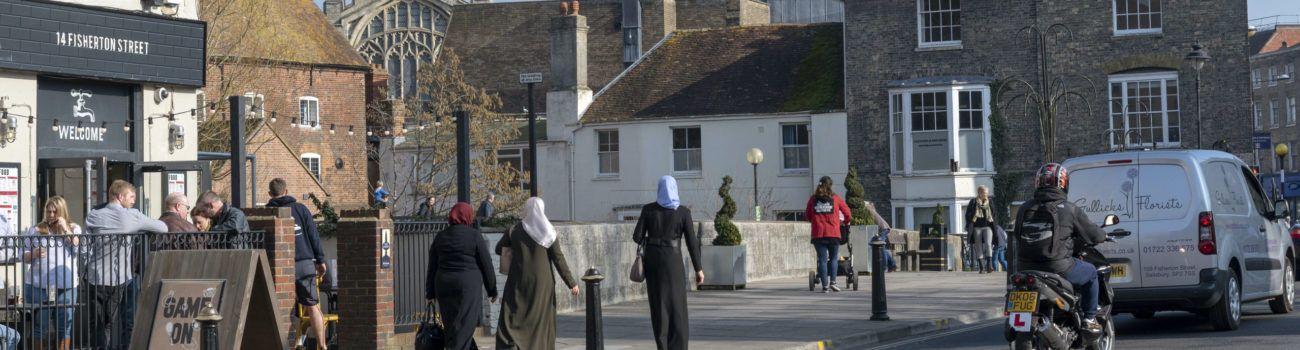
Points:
[(179, 302)]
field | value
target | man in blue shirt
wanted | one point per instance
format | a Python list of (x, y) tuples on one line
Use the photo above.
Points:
[(381, 195)]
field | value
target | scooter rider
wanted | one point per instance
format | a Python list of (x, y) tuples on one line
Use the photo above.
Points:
[(1046, 228)]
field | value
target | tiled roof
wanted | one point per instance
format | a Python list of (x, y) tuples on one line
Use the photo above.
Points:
[(282, 30), (735, 70), (1274, 39)]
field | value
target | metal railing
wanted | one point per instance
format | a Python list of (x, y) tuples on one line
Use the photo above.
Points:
[(411, 243), (82, 290)]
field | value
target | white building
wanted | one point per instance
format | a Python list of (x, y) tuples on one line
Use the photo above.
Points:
[(692, 107)]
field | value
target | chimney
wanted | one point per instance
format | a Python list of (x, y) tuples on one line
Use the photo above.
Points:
[(569, 94)]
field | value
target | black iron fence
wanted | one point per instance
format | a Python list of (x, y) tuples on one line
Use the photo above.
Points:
[(411, 243), (80, 291)]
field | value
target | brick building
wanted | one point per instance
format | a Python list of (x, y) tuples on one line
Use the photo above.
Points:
[(921, 78), (311, 86), (1273, 57)]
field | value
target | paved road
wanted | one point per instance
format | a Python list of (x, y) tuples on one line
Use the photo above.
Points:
[(1260, 329)]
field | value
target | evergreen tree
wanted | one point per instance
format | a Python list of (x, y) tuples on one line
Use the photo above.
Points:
[(853, 195), (329, 226), (728, 234)]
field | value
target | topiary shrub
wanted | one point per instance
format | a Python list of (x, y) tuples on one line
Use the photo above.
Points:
[(853, 195), (728, 234)]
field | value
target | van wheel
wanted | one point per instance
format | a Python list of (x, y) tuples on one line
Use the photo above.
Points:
[(1284, 304), (1225, 315)]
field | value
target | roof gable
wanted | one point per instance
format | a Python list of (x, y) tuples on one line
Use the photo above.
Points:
[(293, 31), (735, 70)]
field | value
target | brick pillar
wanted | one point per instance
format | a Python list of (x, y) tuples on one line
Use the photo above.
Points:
[(365, 290), (278, 224)]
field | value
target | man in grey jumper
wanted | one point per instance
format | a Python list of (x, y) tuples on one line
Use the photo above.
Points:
[(109, 263)]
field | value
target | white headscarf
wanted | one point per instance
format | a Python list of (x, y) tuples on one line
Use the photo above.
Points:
[(536, 224)]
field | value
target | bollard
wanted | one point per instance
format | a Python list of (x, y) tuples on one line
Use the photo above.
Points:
[(595, 334), (879, 311), (208, 319)]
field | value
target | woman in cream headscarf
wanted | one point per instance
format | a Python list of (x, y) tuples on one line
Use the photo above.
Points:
[(528, 304)]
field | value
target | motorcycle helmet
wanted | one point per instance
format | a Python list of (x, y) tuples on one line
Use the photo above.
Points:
[(1052, 175)]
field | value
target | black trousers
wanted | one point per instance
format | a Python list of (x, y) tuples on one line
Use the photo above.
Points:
[(666, 285), (105, 302)]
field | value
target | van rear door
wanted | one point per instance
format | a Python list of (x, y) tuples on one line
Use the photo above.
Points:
[(1101, 188), (1164, 198)]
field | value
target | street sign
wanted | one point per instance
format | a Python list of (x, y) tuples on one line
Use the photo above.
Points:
[(529, 78), (1263, 140)]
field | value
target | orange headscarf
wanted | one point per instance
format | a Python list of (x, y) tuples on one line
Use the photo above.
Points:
[(461, 214)]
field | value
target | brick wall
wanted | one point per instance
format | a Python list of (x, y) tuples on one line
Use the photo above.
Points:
[(278, 224), (341, 94), (365, 290), (700, 14), (1279, 92), (881, 46)]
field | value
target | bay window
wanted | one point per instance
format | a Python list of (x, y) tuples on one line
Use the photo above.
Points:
[(931, 128)]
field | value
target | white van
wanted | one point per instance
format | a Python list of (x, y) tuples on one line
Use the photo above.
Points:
[(1205, 237)]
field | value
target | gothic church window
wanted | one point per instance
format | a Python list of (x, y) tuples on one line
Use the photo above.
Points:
[(400, 37)]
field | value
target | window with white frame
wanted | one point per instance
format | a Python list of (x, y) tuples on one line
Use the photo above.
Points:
[(308, 112), (1290, 73), (1272, 113), (794, 148), (1259, 115), (312, 162), (1137, 16), (938, 22), (923, 139), (1254, 79), (515, 159), (1149, 105), (686, 150), (1290, 111), (1272, 76), (1290, 159), (607, 152)]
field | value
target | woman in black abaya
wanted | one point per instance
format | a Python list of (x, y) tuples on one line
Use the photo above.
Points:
[(459, 267), (662, 226)]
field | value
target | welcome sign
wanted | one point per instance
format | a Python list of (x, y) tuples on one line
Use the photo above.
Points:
[(71, 113), (179, 302)]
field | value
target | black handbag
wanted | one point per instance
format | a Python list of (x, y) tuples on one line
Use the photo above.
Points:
[(430, 335), (844, 234)]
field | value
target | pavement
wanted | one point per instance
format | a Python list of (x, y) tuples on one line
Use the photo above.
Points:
[(783, 314)]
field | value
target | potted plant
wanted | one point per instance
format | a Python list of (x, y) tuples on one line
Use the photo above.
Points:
[(724, 260)]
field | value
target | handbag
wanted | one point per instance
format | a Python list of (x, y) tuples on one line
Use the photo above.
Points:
[(638, 267), (430, 335), (844, 234), (506, 254)]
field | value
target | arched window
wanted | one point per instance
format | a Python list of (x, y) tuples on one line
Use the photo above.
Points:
[(400, 38)]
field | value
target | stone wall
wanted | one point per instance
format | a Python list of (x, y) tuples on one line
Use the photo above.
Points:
[(1279, 93)]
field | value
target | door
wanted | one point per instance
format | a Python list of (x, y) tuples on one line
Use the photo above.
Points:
[(1164, 199), (1254, 248), (160, 179), (80, 181)]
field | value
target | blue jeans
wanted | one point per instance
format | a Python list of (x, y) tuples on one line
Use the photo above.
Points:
[(826, 250), (1084, 278), (1000, 257), (126, 317), (61, 316), (8, 338)]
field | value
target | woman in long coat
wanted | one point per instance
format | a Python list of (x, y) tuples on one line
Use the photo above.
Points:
[(662, 226), (528, 302), (459, 269)]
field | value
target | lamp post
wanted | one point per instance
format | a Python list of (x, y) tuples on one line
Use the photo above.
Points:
[(1197, 58), (755, 156), (1281, 150)]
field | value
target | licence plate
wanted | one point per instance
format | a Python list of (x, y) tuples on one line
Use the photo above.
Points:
[(1118, 271), (1022, 302)]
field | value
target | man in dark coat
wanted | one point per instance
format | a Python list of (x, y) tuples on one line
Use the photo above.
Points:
[(225, 219), (485, 210), (309, 256), (178, 208), (426, 209)]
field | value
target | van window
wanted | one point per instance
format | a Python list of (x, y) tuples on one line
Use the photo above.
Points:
[(1227, 189), (1256, 192), (1147, 192)]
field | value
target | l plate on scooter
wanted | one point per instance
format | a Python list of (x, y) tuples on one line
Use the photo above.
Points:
[(1020, 321)]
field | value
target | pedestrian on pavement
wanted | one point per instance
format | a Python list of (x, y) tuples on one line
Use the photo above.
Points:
[(980, 227), (459, 269), (528, 302), (309, 256), (112, 265), (177, 208), (426, 209), (52, 264), (883, 227), (1000, 248), (225, 218), (486, 210), (8, 336), (825, 210), (381, 195), (661, 228)]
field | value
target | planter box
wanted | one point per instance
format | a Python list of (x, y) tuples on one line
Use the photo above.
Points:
[(724, 267), (860, 237)]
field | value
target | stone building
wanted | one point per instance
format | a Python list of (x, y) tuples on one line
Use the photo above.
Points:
[(922, 79), (311, 89), (807, 11), (396, 35), (1273, 57)]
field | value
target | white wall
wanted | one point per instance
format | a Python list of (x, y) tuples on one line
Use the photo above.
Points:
[(188, 9), (645, 152)]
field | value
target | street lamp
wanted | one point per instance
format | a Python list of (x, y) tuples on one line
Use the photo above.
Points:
[(1197, 58), (755, 156)]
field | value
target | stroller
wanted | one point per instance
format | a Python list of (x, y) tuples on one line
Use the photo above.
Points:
[(845, 264)]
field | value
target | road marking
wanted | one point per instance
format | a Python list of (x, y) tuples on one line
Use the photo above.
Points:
[(990, 323)]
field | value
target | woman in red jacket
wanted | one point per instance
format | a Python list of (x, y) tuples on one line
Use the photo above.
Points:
[(827, 212)]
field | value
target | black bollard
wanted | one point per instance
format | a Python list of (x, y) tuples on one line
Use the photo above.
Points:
[(595, 333), (879, 311), (208, 319)]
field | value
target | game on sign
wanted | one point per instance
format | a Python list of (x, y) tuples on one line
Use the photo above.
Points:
[(529, 78)]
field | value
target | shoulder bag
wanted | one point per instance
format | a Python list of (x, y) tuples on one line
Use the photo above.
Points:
[(430, 335), (506, 254), (638, 267)]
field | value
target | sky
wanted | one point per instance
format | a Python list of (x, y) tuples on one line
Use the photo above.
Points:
[(1255, 8)]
